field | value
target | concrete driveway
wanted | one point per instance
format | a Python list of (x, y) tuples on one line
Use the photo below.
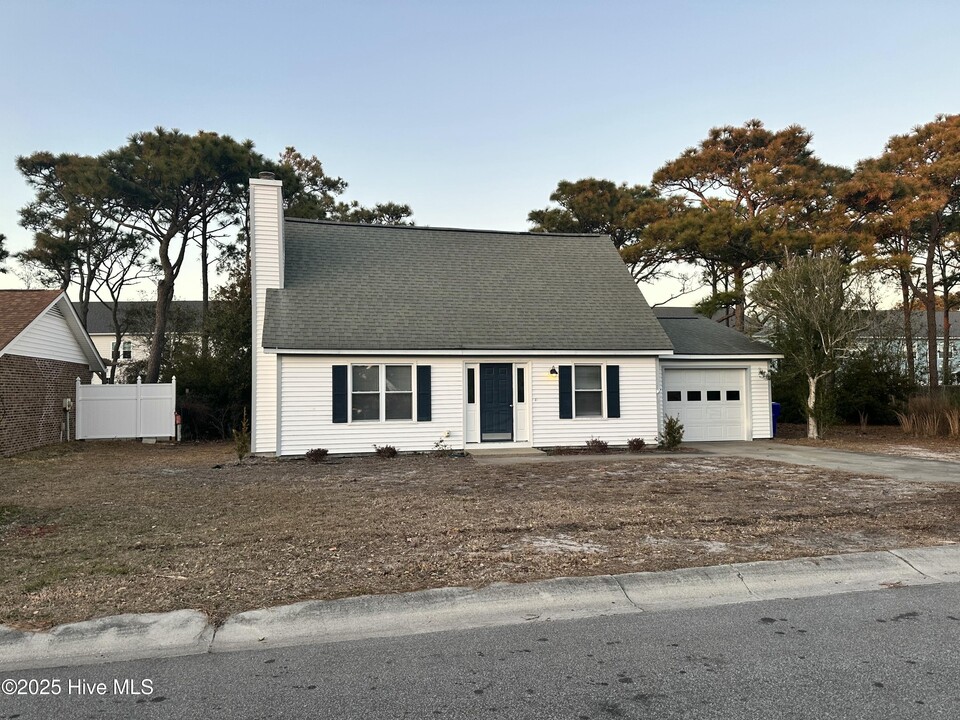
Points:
[(902, 468)]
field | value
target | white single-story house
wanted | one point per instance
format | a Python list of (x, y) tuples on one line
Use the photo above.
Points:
[(416, 337), (43, 350)]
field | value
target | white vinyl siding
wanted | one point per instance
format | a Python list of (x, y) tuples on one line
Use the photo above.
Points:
[(49, 337), (638, 404), (139, 351), (306, 399), (266, 230), (760, 400), (306, 416)]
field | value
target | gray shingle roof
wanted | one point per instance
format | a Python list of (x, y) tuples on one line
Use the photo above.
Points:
[(375, 287), (693, 334), (918, 323), (139, 316)]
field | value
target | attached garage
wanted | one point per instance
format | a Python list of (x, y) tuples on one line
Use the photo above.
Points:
[(717, 382), (711, 403)]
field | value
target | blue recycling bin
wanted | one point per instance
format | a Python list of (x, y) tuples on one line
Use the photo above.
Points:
[(776, 417)]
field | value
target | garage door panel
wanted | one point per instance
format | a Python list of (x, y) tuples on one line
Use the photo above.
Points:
[(720, 411)]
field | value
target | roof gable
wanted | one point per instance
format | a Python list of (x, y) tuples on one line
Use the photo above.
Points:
[(19, 308), (48, 328), (374, 287)]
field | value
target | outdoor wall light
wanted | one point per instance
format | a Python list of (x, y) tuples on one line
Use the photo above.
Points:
[(553, 370)]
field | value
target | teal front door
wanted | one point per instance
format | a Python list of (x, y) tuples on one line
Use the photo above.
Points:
[(496, 402)]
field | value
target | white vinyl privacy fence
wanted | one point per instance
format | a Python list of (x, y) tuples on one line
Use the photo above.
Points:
[(144, 410)]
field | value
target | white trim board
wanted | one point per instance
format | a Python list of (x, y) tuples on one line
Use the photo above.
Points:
[(477, 353), (710, 358)]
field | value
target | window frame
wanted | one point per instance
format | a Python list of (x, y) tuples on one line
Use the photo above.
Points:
[(602, 390), (382, 392), (411, 392), (126, 349)]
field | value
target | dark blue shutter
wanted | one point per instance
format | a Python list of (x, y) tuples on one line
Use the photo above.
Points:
[(339, 393), (613, 391), (423, 393), (566, 392)]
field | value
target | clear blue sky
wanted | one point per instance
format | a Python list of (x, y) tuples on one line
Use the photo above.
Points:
[(469, 112)]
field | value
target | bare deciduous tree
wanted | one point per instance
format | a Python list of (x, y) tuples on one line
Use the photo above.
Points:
[(815, 317)]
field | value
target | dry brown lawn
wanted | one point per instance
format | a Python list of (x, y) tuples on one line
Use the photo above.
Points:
[(94, 529), (882, 439)]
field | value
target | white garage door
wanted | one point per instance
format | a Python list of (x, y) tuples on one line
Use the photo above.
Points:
[(711, 404)]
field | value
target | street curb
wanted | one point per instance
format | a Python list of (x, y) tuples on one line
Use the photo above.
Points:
[(423, 612), (119, 637), (187, 632)]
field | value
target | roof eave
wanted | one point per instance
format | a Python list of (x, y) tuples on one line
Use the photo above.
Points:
[(83, 338), (727, 356), (463, 352)]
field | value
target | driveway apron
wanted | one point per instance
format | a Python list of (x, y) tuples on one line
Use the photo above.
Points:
[(902, 468)]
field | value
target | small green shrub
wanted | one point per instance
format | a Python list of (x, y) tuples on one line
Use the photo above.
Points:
[(385, 451), (596, 445), (317, 455), (636, 445), (672, 434)]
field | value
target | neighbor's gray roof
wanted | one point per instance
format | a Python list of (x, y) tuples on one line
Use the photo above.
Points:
[(141, 313), (918, 322), (693, 334), (375, 287)]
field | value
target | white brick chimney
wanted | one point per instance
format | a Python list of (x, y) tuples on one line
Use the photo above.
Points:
[(266, 271)]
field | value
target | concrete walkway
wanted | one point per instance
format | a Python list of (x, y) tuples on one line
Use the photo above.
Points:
[(902, 468), (188, 632)]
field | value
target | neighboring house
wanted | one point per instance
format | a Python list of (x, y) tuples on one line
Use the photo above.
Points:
[(136, 320), (717, 380), (918, 323), (423, 337), (43, 350)]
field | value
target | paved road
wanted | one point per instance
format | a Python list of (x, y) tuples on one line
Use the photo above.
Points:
[(903, 468), (882, 654)]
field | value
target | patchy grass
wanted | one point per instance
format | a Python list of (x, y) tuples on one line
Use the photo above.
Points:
[(95, 529)]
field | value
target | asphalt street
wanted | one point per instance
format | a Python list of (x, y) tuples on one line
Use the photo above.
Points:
[(881, 654)]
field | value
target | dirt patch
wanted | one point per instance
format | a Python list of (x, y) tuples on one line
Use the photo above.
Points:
[(96, 529), (882, 439)]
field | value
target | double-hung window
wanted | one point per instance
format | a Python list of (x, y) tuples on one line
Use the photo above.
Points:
[(126, 351), (381, 391), (398, 393), (365, 398), (588, 391)]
